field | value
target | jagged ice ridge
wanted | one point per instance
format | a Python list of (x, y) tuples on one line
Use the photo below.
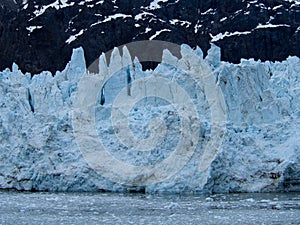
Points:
[(259, 153)]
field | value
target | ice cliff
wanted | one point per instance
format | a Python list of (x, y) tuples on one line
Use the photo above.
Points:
[(260, 151)]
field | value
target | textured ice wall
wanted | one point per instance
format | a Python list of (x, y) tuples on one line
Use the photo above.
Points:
[(260, 151)]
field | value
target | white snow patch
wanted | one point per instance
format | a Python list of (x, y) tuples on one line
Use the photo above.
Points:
[(116, 16), (74, 37), (155, 4), (252, 2), (111, 17), (209, 11), (158, 33), (220, 36), (100, 2), (147, 30), (296, 2), (197, 27), (32, 28), (142, 15), (180, 22), (261, 5), (58, 4), (237, 12), (223, 19), (277, 7), (261, 26)]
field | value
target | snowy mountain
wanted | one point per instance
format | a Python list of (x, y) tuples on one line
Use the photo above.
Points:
[(40, 34)]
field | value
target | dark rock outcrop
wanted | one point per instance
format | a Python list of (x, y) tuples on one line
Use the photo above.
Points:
[(34, 33)]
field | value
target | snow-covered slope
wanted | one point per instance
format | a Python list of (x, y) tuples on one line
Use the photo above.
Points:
[(40, 34), (260, 150)]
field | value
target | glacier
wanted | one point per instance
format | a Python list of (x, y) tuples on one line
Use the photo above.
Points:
[(260, 150)]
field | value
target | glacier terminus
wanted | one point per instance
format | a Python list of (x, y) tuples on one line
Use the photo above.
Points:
[(260, 149)]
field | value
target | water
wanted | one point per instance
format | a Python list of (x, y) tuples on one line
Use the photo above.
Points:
[(106, 208)]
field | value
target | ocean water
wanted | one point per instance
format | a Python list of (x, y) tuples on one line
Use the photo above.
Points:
[(109, 208)]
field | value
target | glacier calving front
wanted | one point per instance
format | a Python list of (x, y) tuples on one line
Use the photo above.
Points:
[(260, 150)]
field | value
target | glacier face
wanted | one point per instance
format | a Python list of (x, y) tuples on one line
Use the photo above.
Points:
[(259, 152)]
